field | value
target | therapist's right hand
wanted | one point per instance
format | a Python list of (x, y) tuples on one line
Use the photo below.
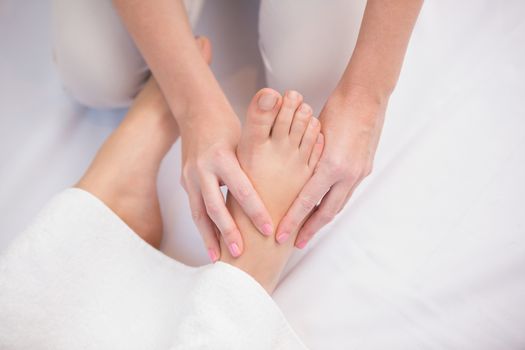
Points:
[(209, 140)]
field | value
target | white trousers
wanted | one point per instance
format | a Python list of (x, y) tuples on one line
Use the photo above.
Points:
[(305, 45)]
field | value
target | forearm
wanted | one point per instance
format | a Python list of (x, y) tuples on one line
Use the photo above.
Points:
[(378, 56), (161, 31)]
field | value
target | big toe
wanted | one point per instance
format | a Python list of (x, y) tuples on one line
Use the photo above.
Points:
[(261, 115)]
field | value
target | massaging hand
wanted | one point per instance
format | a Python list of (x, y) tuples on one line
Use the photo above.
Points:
[(209, 141), (351, 124)]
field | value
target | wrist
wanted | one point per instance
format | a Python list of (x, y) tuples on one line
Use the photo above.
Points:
[(361, 110), (353, 92), (205, 110)]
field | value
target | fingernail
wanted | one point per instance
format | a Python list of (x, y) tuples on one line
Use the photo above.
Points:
[(267, 102), (283, 237), (234, 249), (305, 109), (301, 244), (213, 255), (314, 122), (319, 139), (267, 229)]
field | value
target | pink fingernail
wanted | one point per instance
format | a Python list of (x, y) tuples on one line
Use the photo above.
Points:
[(213, 255), (234, 249), (283, 237), (267, 229), (301, 244)]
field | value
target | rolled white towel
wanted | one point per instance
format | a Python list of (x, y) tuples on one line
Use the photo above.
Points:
[(80, 278)]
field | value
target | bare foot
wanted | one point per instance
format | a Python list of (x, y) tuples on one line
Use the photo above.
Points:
[(279, 149), (124, 172)]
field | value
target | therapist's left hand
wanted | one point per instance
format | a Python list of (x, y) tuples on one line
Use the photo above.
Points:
[(352, 120)]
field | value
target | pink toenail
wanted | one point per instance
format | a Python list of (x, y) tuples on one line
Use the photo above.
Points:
[(283, 237), (234, 249), (267, 102)]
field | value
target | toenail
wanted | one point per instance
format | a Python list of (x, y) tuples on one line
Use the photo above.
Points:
[(314, 122), (267, 102), (294, 95), (305, 109), (283, 237)]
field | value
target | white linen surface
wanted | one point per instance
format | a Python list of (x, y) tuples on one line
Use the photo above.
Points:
[(430, 252)]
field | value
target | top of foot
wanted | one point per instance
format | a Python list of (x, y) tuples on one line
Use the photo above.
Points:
[(280, 146)]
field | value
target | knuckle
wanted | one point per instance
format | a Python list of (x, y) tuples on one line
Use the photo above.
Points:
[(229, 233), (336, 167), (186, 172), (201, 165), (213, 209), (353, 175), (307, 203), (221, 154), (243, 195), (197, 215)]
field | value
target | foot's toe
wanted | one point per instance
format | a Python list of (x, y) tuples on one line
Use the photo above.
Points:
[(291, 102), (310, 137), (299, 123), (261, 115)]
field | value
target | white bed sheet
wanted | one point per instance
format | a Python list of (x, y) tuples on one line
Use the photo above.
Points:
[(429, 254)]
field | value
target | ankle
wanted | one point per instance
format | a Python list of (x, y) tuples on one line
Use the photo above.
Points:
[(262, 258)]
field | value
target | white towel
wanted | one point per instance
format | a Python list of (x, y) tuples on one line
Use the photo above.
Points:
[(80, 278)]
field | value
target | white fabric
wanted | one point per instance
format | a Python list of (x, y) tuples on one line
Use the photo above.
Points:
[(95, 57), (80, 278), (429, 253)]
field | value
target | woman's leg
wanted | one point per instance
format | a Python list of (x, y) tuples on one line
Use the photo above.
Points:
[(279, 150), (306, 45), (96, 58), (124, 172)]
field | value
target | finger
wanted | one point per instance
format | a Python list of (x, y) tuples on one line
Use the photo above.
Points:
[(351, 192), (219, 214), (310, 137), (242, 190), (317, 151), (327, 210), (311, 194), (204, 223)]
